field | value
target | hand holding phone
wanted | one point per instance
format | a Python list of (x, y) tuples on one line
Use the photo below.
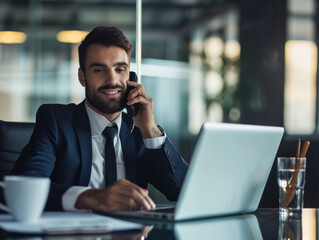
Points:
[(146, 120), (132, 109)]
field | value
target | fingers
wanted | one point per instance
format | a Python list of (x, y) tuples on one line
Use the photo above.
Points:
[(125, 195), (134, 196), (122, 195), (137, 94)]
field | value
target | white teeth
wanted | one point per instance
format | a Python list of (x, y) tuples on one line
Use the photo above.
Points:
[(111, 92)]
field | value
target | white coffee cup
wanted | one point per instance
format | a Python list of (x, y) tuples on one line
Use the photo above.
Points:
[(25, 196)]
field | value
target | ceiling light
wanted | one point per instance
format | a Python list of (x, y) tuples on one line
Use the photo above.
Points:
[(12, 37), (71, 36), (213, 47), (232, 50)]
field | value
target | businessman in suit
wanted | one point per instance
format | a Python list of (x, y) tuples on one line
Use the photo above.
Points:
[(71, 144)]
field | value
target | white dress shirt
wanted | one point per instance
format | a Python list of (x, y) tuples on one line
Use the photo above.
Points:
[(97, 178)]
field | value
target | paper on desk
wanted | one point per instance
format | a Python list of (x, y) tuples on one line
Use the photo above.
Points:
[(67, 223)]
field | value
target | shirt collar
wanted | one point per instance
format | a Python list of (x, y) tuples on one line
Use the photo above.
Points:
[(98, 122)]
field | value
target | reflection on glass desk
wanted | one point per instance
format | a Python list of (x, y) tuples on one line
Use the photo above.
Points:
[(263, 224), (228, 228)]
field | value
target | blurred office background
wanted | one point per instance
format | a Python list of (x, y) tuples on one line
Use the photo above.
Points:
[(237, 61)]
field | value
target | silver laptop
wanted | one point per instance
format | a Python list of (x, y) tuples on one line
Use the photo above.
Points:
[(227, 174)]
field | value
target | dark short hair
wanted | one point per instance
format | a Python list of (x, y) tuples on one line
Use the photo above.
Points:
[(106, 36)]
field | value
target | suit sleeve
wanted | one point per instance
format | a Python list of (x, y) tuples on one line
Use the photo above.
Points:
[(166, 169), (39, 156)]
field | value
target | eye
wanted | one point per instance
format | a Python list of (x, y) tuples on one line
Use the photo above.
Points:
[(121, 69), (98, 70)]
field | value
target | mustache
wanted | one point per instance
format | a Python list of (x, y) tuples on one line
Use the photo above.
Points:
[(108, 86)]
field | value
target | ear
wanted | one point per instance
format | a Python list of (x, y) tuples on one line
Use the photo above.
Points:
[(81, 77)]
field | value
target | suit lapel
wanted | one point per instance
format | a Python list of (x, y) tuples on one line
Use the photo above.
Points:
[(83, 132), (128, 148)]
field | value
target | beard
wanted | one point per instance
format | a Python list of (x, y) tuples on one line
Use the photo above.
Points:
[(108, 106)]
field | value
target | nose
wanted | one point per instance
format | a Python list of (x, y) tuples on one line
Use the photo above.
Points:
[(111, 78)]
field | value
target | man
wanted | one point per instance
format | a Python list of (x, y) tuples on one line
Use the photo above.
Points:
[(68, 143)]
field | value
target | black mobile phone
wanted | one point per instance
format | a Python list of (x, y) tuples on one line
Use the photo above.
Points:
[(132, 109)]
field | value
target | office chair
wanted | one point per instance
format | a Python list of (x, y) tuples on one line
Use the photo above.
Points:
[(13, 138)]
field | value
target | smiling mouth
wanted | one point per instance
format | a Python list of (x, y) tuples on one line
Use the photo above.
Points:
[(111, 92)]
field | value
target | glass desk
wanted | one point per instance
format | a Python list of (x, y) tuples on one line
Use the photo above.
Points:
[(263, 224)]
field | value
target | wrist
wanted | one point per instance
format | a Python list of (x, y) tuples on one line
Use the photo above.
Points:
[(86, 199), (155, 131)]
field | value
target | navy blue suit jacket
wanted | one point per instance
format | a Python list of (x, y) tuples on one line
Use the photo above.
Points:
[(61, 148)]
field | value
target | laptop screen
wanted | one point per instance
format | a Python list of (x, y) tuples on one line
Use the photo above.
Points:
[(228, 170)]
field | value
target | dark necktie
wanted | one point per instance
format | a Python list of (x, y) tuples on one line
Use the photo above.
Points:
[(110, 160)]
